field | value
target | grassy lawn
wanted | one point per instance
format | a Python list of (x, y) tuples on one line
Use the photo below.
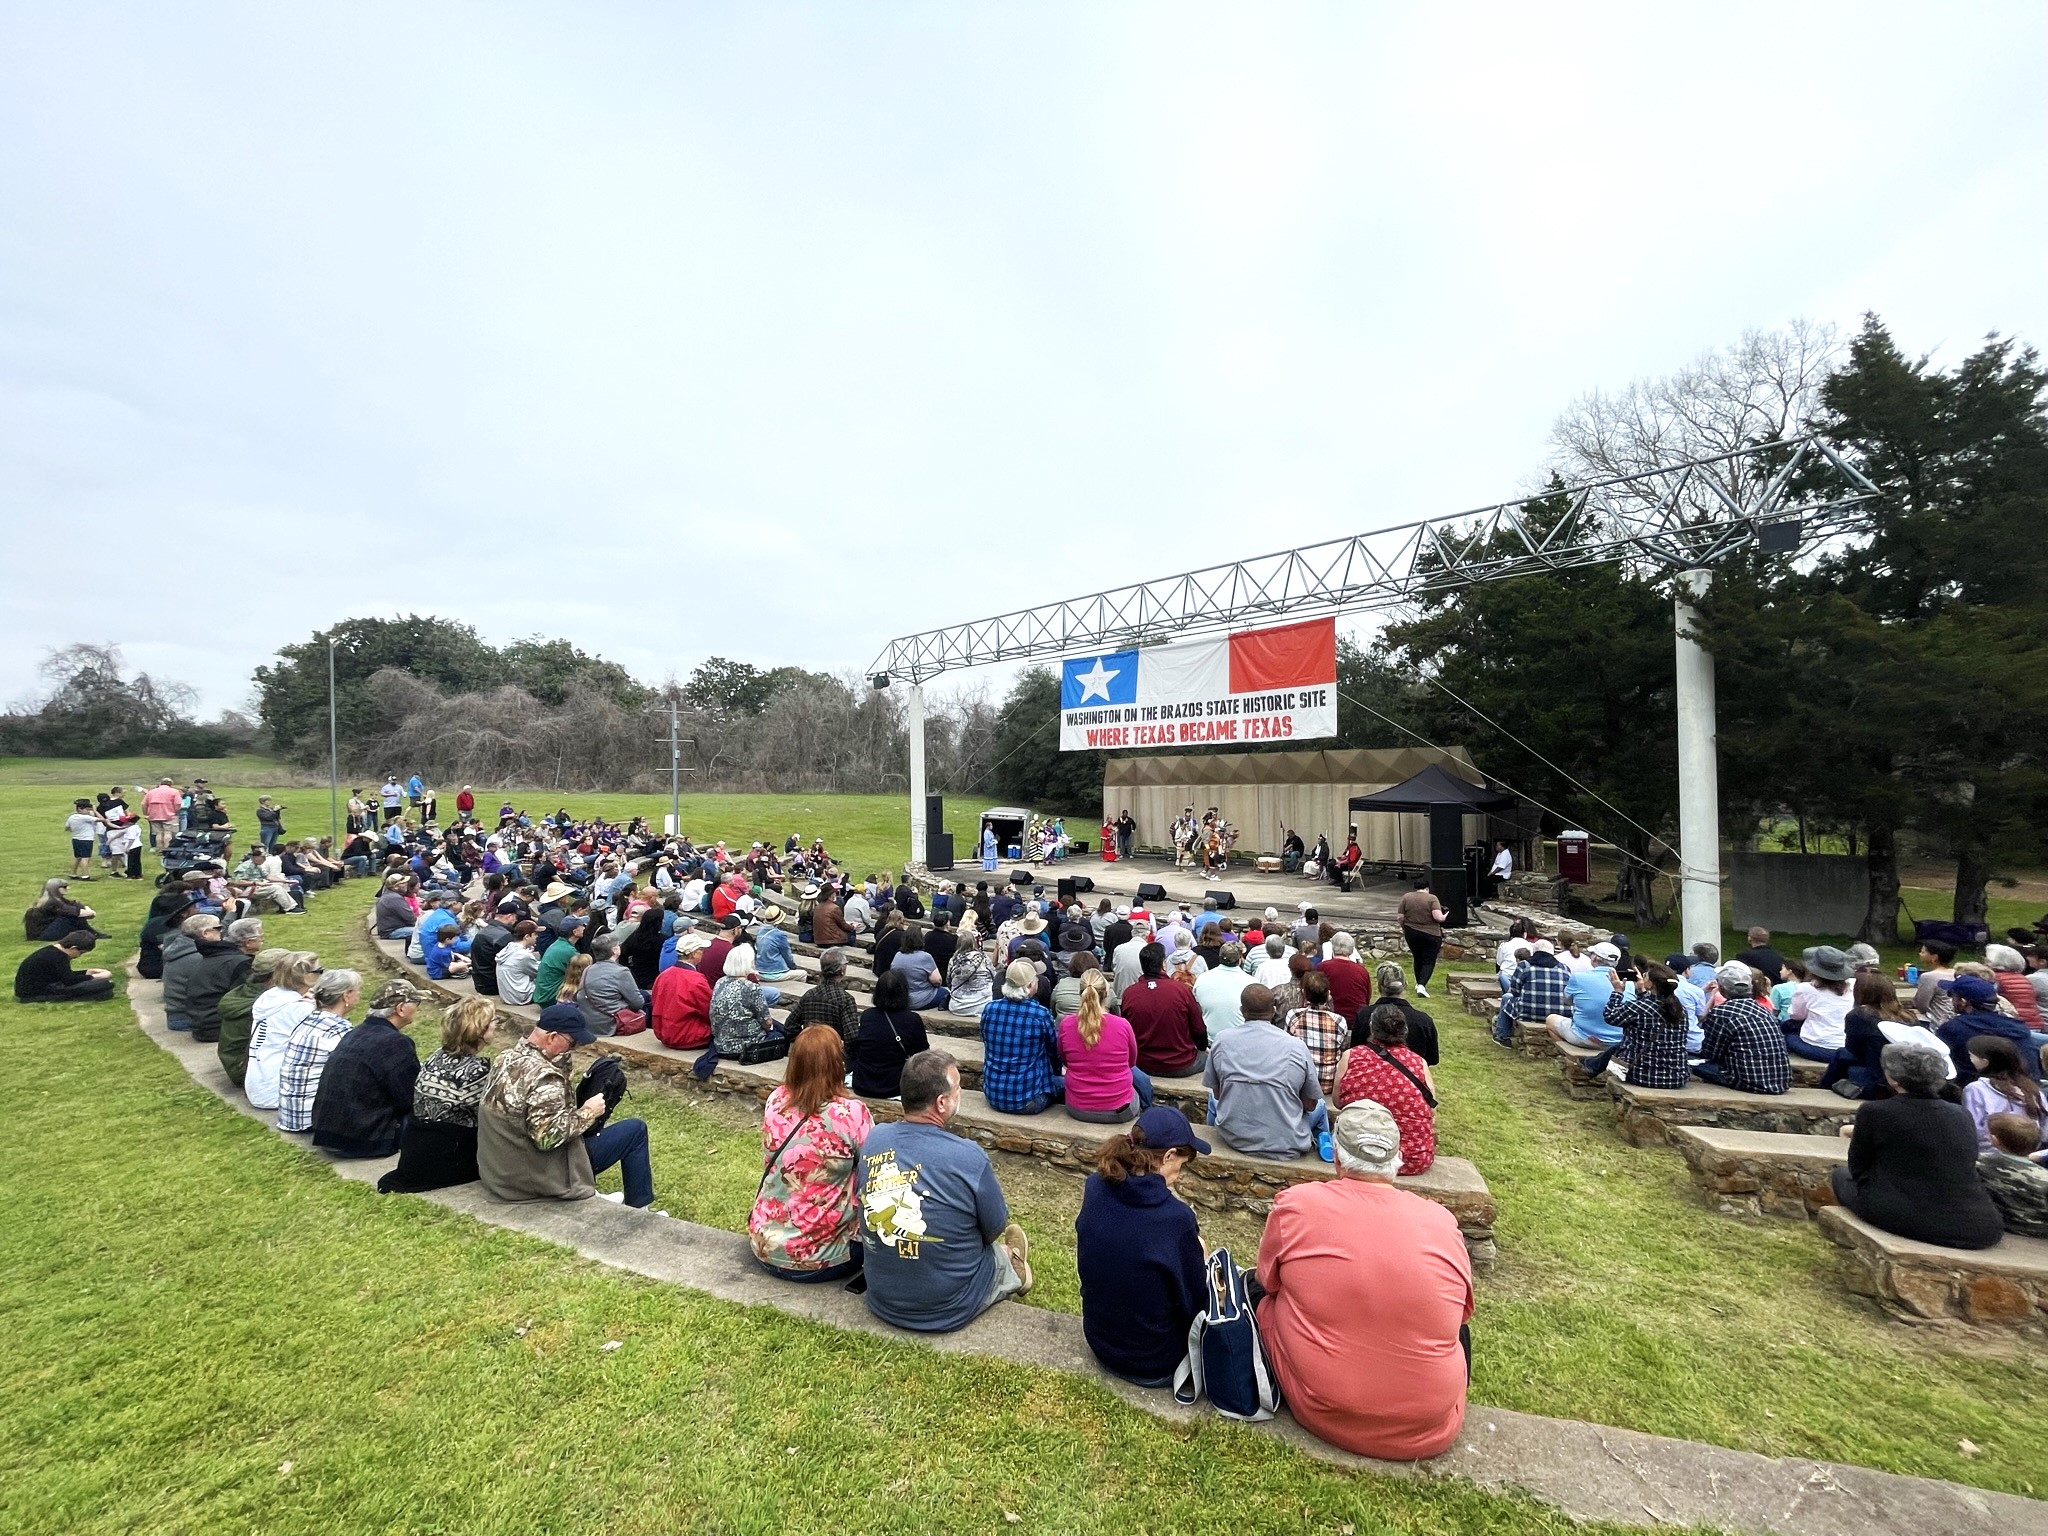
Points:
[(197, 1304)]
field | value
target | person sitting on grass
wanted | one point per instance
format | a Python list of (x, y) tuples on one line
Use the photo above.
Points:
[(274, 1016), (1743, 1047), (366, 1090), (805, 1224), (1020, 1071), (1265, 1099), (46, 976), (2013, 1176), (54, 914), (1368, 1301), (1099, 1049), (533, 1143), (437, 1144), (2000, 1087), (829, 1002), (312, 1042), (887, 1036), (1138, 1250), (1912, 1165), (940, 1246)]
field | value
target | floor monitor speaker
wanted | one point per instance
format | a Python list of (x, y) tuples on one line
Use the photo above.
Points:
[(1147, 891), (1223, 899)]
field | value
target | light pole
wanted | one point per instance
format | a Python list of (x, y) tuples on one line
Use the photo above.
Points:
[(675, 769), (333, 757)]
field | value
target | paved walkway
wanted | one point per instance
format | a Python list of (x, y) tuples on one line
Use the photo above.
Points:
[(1588, 1471)]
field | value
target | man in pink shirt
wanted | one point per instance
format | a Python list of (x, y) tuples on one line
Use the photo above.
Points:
[(160, 810), (1368, 1292)]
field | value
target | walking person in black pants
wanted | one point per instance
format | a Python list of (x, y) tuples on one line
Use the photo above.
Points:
[(1422, 925)]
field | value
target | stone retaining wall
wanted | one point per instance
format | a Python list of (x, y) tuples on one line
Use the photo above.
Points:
[(2006, 1286), (1740, 1180)]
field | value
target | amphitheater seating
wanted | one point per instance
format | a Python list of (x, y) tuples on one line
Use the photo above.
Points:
[(1226, 1180), (2003, 1286), (1761, 1173)]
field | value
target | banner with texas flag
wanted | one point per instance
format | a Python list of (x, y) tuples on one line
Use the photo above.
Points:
[(1259, 687)]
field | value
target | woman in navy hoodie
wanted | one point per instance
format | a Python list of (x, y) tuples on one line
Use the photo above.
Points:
[(1139, 1253)]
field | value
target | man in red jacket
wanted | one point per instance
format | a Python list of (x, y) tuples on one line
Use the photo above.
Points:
[(1172, 1039), (681, 1007)]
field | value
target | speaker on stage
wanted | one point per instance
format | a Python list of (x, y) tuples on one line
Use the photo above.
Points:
[(1068, 891), (1223, 899), (1023, 877), (934, 817), (1083, 883), (938, 852), (1150, 892)]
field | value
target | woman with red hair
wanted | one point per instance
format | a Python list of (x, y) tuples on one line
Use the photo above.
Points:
[(805, 1223)]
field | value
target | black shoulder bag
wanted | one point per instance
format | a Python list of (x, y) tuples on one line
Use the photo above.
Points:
[(1420, 1087)]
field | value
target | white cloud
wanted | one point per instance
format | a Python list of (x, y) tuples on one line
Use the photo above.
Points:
[(628, 324)]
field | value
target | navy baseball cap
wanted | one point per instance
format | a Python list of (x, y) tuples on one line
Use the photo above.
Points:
[(1974, 988), (1163, 1127)]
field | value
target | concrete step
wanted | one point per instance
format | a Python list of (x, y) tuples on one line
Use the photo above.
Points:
[(1647, 1116), (1761, 1173), (2001, 1286)]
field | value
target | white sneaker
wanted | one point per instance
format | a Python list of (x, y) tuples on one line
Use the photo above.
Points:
[(1421, 990), (617, 1198)]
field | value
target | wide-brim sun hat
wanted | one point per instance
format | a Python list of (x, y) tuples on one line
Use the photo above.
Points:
[(1826, 962)]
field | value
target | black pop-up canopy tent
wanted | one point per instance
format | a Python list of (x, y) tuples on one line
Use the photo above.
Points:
[(1445, 799)]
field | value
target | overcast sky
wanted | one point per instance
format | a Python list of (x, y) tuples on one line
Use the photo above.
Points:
[(775, 331)]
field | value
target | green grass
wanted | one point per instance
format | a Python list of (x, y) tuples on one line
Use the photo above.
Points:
[(189, 1303)]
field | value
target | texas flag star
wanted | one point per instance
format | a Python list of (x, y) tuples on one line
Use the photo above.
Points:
[(1095, 684)]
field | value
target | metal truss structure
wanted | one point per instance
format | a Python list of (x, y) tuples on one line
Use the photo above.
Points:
[(1677, 517)]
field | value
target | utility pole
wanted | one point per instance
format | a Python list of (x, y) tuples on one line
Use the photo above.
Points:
[(675, 768), (333, 757), (915, 714)]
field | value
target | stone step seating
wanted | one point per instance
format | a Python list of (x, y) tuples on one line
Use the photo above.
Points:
[(1478, 993), (1225, 1180), (1645, 1116), (1761, 1173), (2002, 1286)]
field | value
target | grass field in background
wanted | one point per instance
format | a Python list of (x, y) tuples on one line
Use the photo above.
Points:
[(189, 1304)]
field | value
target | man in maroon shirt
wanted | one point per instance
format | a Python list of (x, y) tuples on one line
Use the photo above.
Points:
[(1163, 1014), (712, 962), (1350, 983)]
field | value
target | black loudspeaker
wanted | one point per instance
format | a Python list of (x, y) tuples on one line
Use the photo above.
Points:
[(1150, 892), (938, 850), (1068, 891), (934, 817), (1083, 883), (1223, 899), (1023, 877)]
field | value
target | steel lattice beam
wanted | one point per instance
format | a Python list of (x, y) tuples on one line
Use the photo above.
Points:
[(1676, 517)]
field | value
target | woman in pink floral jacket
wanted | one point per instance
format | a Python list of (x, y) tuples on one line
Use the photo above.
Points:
[(805, 1223)]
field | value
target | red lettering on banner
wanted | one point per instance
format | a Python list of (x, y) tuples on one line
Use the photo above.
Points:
[(1193, 731)]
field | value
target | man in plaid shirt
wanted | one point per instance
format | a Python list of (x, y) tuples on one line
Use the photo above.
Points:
[(1535, 992), (312, 1041), (1745, 1044), (1020, 1044), (1321, 1028)]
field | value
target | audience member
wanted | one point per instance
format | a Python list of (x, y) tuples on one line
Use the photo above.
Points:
[(311, 1044), (679, 1012), (1265, 1099), (237, 1008), (888, 1035), (829, 1002), (1104, 1083), (1743, 1046), (273, 1017), (437, 1144), (1393, 994), (970, 975), (534, 1143), (1999, 1086), (1820, 1006), (1977, 1013), (1020, 1070), (366, 1091), (805, 1224), (1350, 984), (2013, 1176), (1653, 1027), (941, 1247), (1381, 1068), (608, 995), (1138, 1249), (1912, 1165), (1319, 1027), (517, 963), (46, 975), (1368, 1297), (1172, 1037), (1219, 991)]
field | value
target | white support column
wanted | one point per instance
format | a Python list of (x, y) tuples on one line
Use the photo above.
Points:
[(915, 720), (1699, 777)]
